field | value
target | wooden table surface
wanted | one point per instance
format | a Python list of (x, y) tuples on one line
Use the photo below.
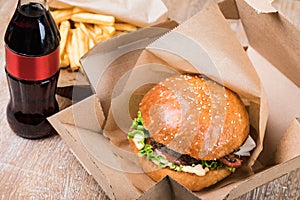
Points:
[(46, 169)]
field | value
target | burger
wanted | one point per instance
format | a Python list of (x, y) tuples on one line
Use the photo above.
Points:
[(190, 128)]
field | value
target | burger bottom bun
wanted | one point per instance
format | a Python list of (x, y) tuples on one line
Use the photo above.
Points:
[(191, 181)]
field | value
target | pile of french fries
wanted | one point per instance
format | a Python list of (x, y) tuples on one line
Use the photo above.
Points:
[(80, 30)]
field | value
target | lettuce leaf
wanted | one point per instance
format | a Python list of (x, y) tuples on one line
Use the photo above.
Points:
[(138, 127)]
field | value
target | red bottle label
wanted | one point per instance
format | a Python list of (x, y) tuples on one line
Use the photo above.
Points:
[(32, 68)]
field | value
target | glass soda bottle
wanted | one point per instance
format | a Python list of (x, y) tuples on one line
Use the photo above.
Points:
[(32, 68)]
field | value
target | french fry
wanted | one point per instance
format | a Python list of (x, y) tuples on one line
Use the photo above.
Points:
[(78, 10), (120, 33), (82, 41), (70, 50), (75, 45), (125, 27), (73, 50), (87, 30), (98, 29), (91, 43), (62, 15), (108, 30), (64, 60), (93, 18), (101, 37), (64, 29)]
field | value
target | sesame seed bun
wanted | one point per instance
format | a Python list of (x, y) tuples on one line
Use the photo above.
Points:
[(193, 115)]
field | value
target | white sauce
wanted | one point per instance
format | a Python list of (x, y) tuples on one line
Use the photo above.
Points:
[(197, 169), (138, 141)]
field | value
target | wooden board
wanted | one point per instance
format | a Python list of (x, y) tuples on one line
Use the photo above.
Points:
[(46, 169)]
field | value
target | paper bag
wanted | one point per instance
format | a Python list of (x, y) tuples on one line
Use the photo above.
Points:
[(190, 48)]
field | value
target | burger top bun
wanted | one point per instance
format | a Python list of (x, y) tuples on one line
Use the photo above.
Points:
[(193, 115)]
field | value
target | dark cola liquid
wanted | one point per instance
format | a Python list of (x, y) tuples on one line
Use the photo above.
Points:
[(33, 33)]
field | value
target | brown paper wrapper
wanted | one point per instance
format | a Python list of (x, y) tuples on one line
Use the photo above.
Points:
[(190, 48), (138, 12)]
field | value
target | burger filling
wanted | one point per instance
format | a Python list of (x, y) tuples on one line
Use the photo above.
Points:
[(163, 157)]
